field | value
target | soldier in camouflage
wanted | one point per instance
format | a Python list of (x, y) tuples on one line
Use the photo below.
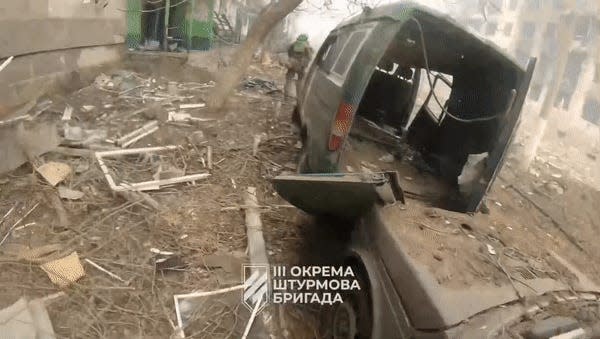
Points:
[(299, 54)]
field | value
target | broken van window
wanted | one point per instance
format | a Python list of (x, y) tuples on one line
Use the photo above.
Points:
[(442, 86), (349, 51), (332, 50)]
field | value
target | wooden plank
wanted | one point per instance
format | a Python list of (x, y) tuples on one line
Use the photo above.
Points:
[(256, 242)]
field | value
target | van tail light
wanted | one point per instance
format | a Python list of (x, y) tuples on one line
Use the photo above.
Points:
[(341, 126)]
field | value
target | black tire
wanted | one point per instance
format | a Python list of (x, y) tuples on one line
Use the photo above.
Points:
[(344, 321), (352, 319)]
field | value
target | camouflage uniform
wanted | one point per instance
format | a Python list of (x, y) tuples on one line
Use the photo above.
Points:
[(299, 54)]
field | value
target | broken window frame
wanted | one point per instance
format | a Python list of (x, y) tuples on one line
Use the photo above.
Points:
[(336, 77), (328, 57), (438, 117), (342, 66), (144, 185)]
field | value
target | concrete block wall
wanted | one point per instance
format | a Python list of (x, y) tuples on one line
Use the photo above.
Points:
[(55, 42)]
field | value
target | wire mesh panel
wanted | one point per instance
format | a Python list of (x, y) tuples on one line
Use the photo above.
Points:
[(170, 25), (202, 25), (134, 24), (178, 36), (223, 29)]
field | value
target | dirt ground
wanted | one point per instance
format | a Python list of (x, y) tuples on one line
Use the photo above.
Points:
[(194, 238), (194, 220)]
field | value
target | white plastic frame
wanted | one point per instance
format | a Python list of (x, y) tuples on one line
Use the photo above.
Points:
[(144, 185)]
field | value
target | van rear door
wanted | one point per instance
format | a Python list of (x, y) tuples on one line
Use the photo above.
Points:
[(341, 195), (323, 93), (505, 137)]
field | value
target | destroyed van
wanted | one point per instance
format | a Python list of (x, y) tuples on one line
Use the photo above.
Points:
[(405, 119)]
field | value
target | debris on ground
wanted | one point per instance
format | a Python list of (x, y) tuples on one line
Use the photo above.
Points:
[(67, 113), (555, 188), (87, 108), (26, 141), (8, 233), (256, 242), (102, 269), (134, 136), (387, 158), (69, 194), (54, 172), (184, 307), (267, 86), (256, 143), (534, 172), (184, 117), (64, 271), (197, 138), (229, 262), (138, 167), (173, 263), (120, 200), (186, 106), (472, 172), (75, 136), (157, 251), (27, 319), (5, 63)]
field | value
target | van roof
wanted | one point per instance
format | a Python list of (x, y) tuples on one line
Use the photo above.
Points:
[(401, 11)]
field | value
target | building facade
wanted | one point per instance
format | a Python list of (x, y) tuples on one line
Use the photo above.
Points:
[(531, 28)]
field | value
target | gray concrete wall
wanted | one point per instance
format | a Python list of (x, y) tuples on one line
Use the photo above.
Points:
[(41, 35), (56, 42), (31, 76)]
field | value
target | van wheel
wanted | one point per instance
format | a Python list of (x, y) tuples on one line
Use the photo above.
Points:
[(352, 319), (344, 322)]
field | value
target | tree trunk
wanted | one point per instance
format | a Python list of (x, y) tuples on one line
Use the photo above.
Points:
[(265, 22)]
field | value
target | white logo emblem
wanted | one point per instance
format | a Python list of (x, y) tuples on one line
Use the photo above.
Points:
[(256, 286)]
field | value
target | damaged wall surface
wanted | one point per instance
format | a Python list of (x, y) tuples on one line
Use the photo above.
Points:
[(53, 41)]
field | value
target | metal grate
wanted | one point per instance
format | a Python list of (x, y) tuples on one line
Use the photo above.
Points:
[(134, 24), (170, 25), (224, 30)]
